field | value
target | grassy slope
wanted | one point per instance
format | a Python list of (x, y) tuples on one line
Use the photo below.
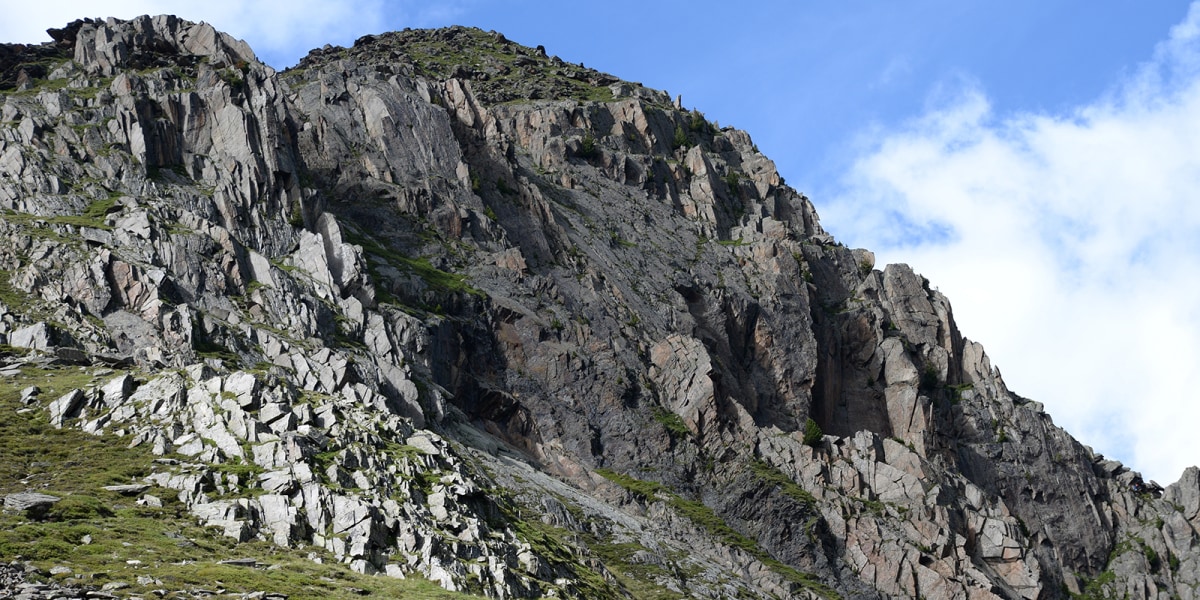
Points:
[(166, 542)]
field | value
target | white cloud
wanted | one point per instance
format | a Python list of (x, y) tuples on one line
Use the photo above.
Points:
[(1069, 244), (280, 31), (896, 69)]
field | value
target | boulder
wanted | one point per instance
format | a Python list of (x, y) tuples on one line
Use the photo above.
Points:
[(29, 395), (131, 489), (66, 407), (38, 336), (117, 390), (35, 505)]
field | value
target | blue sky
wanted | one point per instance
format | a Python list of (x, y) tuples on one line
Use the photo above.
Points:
[(1034, 159), (807, 78)]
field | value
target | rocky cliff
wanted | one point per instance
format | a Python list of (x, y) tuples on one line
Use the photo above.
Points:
[(443, 306)]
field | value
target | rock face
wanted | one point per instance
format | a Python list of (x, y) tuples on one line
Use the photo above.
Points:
[(461, 309)]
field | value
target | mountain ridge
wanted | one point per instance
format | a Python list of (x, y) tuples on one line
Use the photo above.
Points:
[(388, 301)]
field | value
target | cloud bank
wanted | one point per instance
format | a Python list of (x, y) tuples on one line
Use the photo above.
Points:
[(1068, 243)]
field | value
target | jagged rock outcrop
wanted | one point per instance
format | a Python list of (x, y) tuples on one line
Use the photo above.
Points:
[(444, 305)]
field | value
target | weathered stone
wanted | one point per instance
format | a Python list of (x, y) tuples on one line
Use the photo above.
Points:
[(29, 395), (66, 407), (150, 500), (31, 503), (228, 515), (245, 387), (117, 390), (279, 518), (132, 489), (37, 336), (280, 482), (71, 356), (423, 442), (1186, 494), (239, 562)]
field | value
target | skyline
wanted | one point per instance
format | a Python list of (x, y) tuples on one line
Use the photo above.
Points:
[(1032, 160)]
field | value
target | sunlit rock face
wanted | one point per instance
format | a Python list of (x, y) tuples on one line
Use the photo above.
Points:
[(460, 309)]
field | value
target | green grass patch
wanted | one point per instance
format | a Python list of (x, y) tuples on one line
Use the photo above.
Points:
[(34, 226), (772, 476), (95, 532), (23, 303), (244, 471), (956, 391), (508, 69), (80, 507), (6, 350), (813, 436), (208, 349), (672, 422), (704, 517), (553, 544), (1094, 589), (93, 216), (11, 296), (617, 240), (420, 266), (875, 507), (647, 490), (403, 451), (635, 576), (41, 85), (169, 548), (36, 456)]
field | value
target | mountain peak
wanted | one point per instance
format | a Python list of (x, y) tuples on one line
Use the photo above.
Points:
[(439, 305), (499, 70)]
